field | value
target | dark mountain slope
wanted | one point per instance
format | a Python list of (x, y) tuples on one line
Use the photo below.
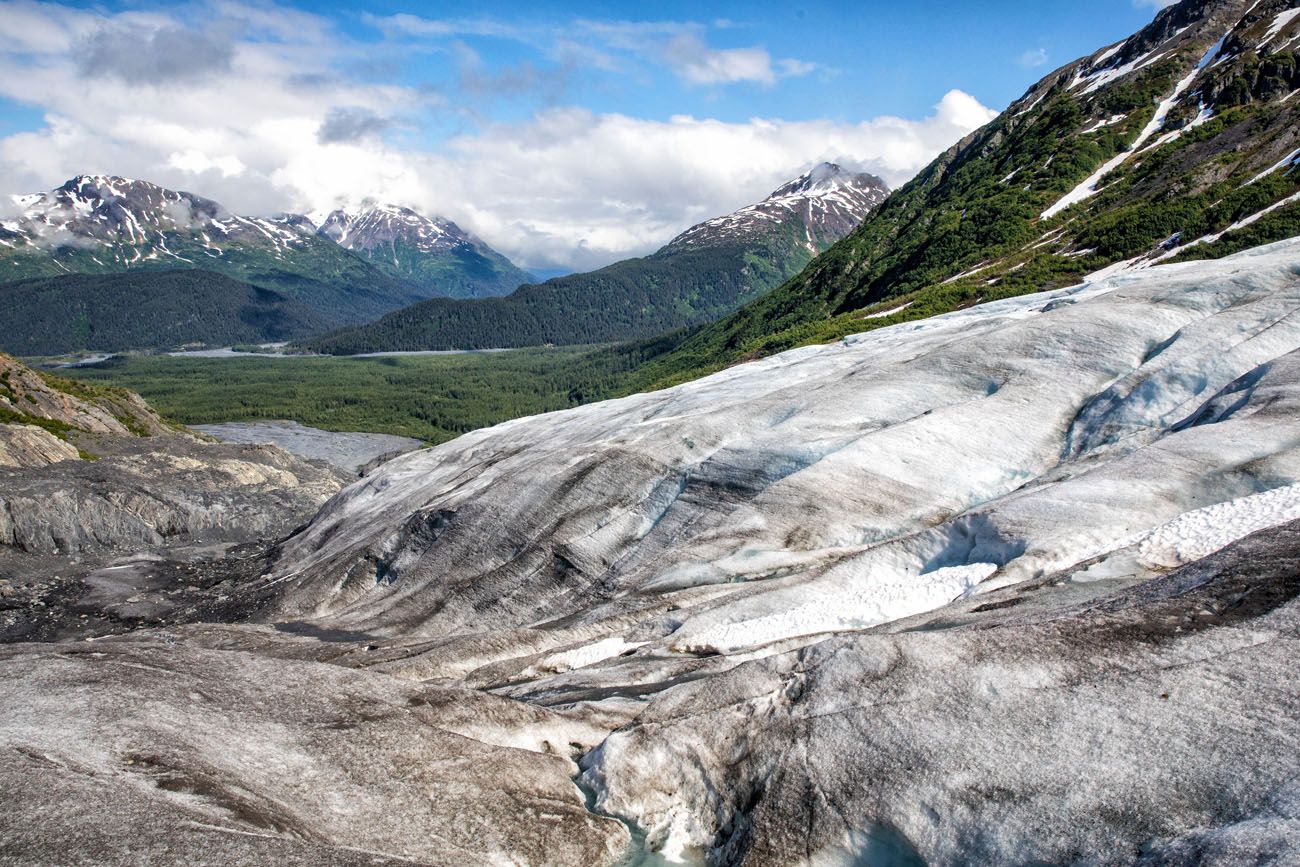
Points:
[(145, 310)]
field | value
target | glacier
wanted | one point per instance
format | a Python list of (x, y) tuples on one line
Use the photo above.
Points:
[(1013, 584)]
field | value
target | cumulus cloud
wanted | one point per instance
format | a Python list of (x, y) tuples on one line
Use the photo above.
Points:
[(571, 187), (278, 128), (697, 63), (140, 54), (196, 162), (1034, 58), (346, 124)]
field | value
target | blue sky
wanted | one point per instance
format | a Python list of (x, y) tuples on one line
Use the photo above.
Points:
[(868, 59), (567, 135)]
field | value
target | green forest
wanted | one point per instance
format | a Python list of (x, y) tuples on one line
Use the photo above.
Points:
[(145, 310), (434, 398), (673, 288)]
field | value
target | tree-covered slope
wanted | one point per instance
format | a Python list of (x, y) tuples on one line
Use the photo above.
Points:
[(705, 273), (1179, 142), (144, 310)]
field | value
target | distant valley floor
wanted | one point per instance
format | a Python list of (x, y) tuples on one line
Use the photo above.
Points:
[(433, 398)]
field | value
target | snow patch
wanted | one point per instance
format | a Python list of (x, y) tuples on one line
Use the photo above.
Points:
[(883, 313), (1088, 188), (1198, 534), (1289, 159), (880, 599), (581, 657), (1279, 24)]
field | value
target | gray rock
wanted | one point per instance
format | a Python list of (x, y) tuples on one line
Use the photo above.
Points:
[(24, 445), (151, 492), (352, 452), (178, 754)]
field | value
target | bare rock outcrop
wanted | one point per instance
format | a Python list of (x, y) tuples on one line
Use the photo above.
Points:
[(26, 445)]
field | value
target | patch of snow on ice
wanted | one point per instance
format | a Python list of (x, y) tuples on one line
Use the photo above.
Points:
[(1194, 535), (581, 657), (879, 599)]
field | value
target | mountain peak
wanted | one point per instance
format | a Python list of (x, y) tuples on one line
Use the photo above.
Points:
[(377, 224), (829, 199), (822, 177)]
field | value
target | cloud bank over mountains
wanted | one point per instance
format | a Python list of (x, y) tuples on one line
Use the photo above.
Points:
[(269, 108)]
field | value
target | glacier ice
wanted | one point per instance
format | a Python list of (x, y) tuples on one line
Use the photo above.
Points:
[(1016, 584)]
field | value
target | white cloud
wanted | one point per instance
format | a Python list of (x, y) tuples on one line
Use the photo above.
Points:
[(682, 48), (1155, 4), (696, 63), (1034, 58), (276, 128), (196, 162), (575, 188)]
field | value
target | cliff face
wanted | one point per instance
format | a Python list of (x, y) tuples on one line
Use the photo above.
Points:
[(26, 445)]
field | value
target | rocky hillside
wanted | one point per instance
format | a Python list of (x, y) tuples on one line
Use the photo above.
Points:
[(704, 273), (820, 608), (40, 415), (98, 224), (1177, 143), (88, 474), (432, 253)]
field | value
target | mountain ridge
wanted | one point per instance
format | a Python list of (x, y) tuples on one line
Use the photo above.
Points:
[(428, 251), (701, 274), (108, 224)]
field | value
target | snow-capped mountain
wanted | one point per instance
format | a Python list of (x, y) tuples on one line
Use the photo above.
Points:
[(378, 225), (123, 222), (427, 250), (355, 268), (828, 201)]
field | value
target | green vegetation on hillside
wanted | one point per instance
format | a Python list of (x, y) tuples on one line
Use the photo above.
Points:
[(144, 310), (338, 287), (461, 272), (635, 298), (968, 228)]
